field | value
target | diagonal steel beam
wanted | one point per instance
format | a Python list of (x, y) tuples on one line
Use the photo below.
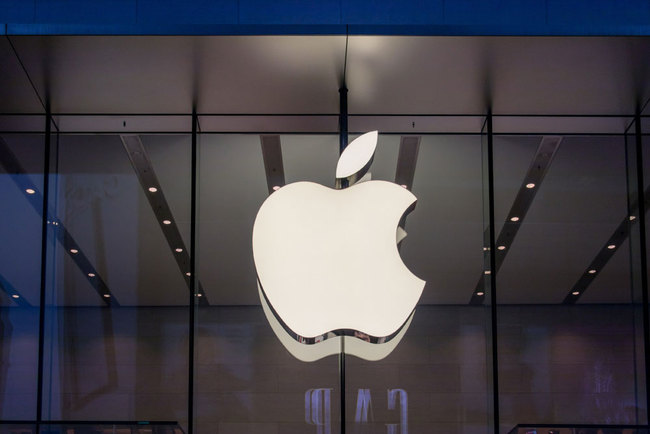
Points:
[(605, 253), (272, 156), (20, 177), (530, 185), (153, 191), (409, 147), (12, 292)]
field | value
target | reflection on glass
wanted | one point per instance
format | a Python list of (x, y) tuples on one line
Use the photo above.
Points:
[(435, 379), (567, 338), (116, 315), (246, 380), (21, 221), (94, 427)]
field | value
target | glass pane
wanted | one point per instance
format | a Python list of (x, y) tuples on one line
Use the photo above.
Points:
[(568, 329), (21, 189), (117, 315), (435, 379), (17, 428), (246, 381)]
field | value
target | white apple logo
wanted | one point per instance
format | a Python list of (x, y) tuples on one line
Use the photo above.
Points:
[(327, 260)]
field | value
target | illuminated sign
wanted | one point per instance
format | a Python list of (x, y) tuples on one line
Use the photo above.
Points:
[(328, 265)]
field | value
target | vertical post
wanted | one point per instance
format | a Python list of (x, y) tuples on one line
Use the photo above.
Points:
[(193, 278), (493, 276), (642, 270), (343, 143), (343, 118), (44, 237)]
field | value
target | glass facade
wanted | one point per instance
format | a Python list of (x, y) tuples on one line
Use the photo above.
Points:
[(128, 290)]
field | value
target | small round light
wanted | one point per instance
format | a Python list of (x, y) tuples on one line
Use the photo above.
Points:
[(276, 187), (30, 191), (199, 295), (188, 274), (74, 251), (575, 293), (632, 217), (91, 274), (592, 271), (16, 296), (530, 185), (153, 189), (501, 247), (178, 250), (480, 294), (167, 222), (107, 295), (487, 272), (405, 186), (514, 219), (611, 246)]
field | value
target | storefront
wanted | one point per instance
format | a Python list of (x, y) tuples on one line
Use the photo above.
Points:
[(132, 169)]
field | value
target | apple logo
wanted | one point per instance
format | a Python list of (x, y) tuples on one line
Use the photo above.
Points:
[(327, 260)]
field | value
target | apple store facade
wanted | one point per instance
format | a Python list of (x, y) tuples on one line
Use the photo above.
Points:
[(132, 169)]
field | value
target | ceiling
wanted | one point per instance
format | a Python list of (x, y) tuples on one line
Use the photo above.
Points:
[(100, 201), (301, 74)]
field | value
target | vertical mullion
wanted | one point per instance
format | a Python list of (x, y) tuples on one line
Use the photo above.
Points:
[(343, 143), (640, 189), (192, 299), (44, 236), (493, 275)]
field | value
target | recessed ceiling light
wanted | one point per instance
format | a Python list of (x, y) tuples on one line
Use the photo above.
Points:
[(501, 247), (611, 246), (188, 274), (592, 271), (530, 185), (107, 295), (199, 295), (276, 187), (167, 222), (575, 293), (74, 251), (16, 296), (487, 272), (30, 191), (480, 294), (514, 219), (91, 274), (632, 217), (179, 250), (153, 189)]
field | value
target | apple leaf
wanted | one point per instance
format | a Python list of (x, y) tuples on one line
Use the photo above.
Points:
[(357, 157)]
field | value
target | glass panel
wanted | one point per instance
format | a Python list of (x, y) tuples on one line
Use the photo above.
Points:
[(116, 343), (21, 189), (435, 379), (18, 428), (246, 381), (579, 429), (568, 325)]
